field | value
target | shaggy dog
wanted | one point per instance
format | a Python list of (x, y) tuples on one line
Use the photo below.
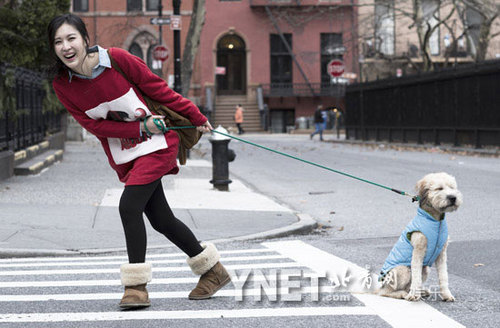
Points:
[(423, 242)]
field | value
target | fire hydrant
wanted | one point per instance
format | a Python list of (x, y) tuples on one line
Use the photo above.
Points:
[(221, 156)]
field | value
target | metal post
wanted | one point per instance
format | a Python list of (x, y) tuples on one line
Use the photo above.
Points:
[(177, 51), (160, 13)]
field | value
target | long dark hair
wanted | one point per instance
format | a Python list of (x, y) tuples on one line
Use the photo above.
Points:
[(58, 66)]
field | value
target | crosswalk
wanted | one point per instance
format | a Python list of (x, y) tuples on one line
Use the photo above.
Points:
[(284, 279)]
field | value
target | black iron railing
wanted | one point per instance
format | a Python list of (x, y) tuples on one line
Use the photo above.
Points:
[(303, 89), (455, 106), (26, 124)]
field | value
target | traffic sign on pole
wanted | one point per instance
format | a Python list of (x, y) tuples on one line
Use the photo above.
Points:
[(160, 53), (160, 20), (335, 68), (175, 22)]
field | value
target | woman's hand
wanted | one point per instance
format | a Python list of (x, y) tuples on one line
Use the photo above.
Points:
[(206, 127), (150, 127)]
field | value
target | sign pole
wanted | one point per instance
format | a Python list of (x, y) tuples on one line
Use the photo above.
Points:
[(177, 50), (160, 8)]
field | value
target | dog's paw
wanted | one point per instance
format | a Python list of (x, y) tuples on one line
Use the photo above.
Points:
[(413, 296), (426, 293), (447, 297)]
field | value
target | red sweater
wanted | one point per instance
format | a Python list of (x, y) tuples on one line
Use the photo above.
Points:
[(109, 107)]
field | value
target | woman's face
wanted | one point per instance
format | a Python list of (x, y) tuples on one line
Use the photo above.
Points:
[(70, 47)]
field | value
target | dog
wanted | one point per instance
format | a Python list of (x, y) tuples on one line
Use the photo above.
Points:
[(423, 242)]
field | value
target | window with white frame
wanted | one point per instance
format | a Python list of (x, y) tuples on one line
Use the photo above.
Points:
[(384, 26), (430, 11)]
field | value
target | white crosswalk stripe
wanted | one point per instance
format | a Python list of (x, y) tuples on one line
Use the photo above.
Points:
[(273, 270)]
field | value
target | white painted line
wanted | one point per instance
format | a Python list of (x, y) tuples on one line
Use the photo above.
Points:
[(116, 282), (174, 315), (153, 262), (160, 295), (160, 269), (124, 257), (398, 313), (401, 313), (204, 196)]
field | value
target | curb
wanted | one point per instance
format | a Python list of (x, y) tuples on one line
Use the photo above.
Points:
[(304, 225)]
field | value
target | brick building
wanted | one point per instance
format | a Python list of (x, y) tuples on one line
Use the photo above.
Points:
[(272, 53)]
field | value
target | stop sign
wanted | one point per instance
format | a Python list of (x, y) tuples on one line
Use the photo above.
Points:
[(335, 68), (160, 53)]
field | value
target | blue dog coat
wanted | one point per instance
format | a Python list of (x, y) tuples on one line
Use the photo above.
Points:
[(436, 233)]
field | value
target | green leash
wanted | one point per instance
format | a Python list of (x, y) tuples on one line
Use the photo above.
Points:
[(413, 198)]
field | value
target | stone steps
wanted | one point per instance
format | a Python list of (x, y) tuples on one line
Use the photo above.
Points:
[(224, 113), (34, 159)]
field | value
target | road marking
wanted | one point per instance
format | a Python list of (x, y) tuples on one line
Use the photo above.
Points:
[(160, 295), (160, 269), (153, 262), (204, 196), (117, 282), (124, 257), (175, 315), (398, 313)]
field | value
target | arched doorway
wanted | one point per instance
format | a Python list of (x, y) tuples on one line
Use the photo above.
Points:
[(231, 54), (142, 46)]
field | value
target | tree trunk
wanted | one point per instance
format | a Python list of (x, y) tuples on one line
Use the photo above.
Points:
[(192, 44)]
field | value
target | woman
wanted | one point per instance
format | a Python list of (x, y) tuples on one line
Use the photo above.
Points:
[(109, 106)]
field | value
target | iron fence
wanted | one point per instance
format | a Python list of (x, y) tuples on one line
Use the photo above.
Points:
[(26, 125), (453, 106), (303, 89)]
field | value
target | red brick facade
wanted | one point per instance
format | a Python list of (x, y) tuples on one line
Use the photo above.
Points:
[(237, 35)]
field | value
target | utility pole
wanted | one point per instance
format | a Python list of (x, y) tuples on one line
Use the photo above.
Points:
[(177, 50), (160, 13)]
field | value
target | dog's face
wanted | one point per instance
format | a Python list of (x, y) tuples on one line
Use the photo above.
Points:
[(439, 191)]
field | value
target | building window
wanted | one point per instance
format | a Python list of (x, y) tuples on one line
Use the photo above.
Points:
[(281, 59), (134, 5), (80, 5), (331, 48), (430, 10), (474, 20), (384, 26), (152, 5), (136, 50)]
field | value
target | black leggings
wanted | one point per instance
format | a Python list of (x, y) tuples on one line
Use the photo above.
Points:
[(150, 199)]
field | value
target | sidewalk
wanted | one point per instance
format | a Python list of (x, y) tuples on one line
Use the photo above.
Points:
[(72, 208)]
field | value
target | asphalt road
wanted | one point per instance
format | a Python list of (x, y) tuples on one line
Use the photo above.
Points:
[(362, 221), (359, 224)]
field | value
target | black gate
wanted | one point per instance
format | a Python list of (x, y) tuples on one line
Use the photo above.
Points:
[(26, 125), (453, 106)]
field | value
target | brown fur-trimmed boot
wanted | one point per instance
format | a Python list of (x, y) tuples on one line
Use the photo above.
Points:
[(134, 277), (213, 274)]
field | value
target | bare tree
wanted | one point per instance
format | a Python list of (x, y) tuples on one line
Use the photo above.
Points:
[(478, 17), (192, 44)]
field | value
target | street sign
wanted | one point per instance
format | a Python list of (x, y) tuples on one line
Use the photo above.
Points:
[(160, 53), (176, 22), (160, 20), (335, 68), (220, 70)]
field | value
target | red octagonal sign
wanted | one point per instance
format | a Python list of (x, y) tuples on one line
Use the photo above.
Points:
[(160, 53), (335, 68)]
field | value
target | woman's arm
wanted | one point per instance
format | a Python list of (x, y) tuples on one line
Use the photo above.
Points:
[(155, 87), (101, 127)]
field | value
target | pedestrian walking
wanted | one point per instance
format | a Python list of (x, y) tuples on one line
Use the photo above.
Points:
[(110, 105), (238, 118), (319, 122)]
